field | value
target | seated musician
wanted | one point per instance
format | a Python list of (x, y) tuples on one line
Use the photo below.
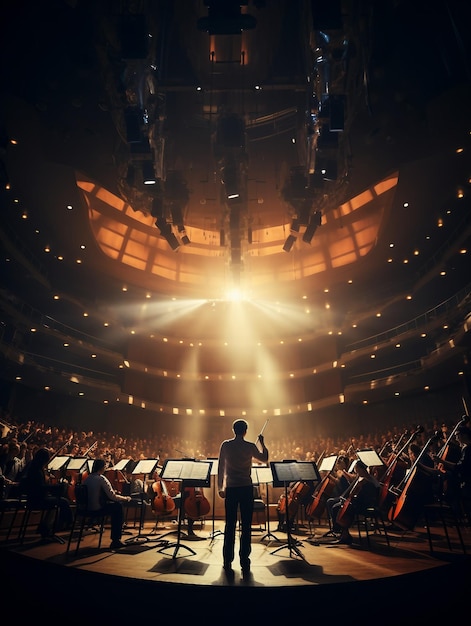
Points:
[(102, 497), (341, 476), (299, 495), (459, 474), (361, 494), (43, 495)]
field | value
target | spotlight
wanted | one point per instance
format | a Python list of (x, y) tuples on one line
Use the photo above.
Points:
[(166, 232), (229, 178), (183, 236), (148, 174), (172, 241), (289, 243), (314, 222)]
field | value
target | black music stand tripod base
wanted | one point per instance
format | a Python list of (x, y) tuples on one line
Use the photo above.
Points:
[(291, 544), (146, 467), (270, 537), (184, 470), (283, 473)]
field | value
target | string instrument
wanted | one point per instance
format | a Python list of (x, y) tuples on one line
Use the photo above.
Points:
[(322, 493), (281, 504), (451, 450), (196, 505), (162, 503), (74, 477), (117, 479), (410, 493), (395, 471), (296, 495), (346, 513)]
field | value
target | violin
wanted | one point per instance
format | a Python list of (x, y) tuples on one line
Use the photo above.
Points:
[(195, 504)]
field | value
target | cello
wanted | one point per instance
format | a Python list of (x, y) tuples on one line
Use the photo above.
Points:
[(346, 513), (162, 503), (196, 505), (409, 502), (322, 493), (451, 452), (296, 495), (395, 471), (362, 494), (319, 499)]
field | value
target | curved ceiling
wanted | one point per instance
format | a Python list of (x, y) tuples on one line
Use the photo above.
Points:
[(337, 131)]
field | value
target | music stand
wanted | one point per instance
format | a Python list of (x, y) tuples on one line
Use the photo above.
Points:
[(285, 472), (370, 457), (58, 463), (191, 473), (328, 463), (214, 472), (264, 476), (77, 463), (146, 467)]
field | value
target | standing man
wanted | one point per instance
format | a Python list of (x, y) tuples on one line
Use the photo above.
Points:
[(235, 486)]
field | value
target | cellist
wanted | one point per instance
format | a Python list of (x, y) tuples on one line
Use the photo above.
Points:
[(459, 473), (362, 493)]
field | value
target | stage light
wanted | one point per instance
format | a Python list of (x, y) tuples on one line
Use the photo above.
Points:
[(184, 237), (314, 222), (148, 174), (292, 236), (289, 243)]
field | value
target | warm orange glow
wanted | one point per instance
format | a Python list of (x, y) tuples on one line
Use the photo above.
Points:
[(347, 234)]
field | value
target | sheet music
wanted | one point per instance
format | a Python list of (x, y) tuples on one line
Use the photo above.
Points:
[(145, 466), (370, 458), (77, 463), (264, 474), (328, 463), (120, 465), (293, 471), (187, 470), (57, 462)]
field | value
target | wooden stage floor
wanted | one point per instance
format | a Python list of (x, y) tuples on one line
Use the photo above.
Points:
[(164, 573)]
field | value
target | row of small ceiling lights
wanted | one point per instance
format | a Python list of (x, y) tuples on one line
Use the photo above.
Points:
[(390, 259), (47, 249)]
